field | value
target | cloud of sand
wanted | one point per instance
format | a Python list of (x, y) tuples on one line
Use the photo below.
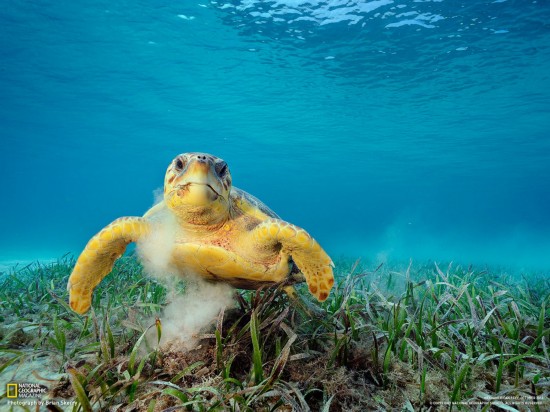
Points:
[(158, 195), (186, 315), (155, 250)]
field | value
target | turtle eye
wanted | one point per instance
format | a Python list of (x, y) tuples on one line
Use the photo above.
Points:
[(179, 164), (221, 168)]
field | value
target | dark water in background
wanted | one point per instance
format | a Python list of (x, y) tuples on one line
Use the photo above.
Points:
[(388, 129)]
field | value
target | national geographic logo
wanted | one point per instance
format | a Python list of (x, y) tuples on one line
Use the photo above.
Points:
[(11, 390), (25, 390)]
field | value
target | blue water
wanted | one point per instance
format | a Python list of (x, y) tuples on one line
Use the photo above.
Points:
[(388, 129)]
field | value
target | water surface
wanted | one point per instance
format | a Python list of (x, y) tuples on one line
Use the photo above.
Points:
[(388, 129)]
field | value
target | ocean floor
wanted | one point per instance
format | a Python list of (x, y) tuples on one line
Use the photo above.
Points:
[(395, 337)]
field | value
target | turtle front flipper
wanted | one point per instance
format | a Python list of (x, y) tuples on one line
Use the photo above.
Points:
[(308, 255), (98, 258)]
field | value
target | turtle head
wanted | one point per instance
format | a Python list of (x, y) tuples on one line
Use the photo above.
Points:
[(196, 188)]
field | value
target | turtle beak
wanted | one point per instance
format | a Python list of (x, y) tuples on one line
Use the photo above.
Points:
[(198, 183), (189, 185), (199, 172)]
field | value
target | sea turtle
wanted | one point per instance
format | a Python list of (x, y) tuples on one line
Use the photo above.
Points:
[(222, 233)]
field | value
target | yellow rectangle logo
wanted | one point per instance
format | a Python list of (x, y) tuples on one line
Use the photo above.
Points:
[(11, 390)]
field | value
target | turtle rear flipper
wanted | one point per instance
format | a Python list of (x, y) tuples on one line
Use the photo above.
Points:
[(98, 258)]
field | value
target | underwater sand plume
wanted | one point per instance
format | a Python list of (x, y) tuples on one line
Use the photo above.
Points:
[(155, 249), (188, 314), (191, 311)]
